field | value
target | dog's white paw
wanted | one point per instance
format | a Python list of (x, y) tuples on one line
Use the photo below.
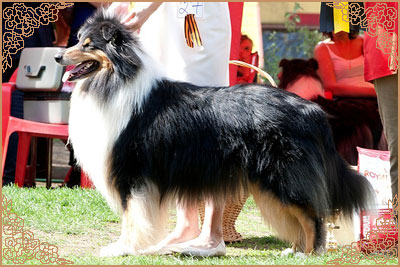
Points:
[(116, 249), (287, 252), (300, 255), (155, 250)]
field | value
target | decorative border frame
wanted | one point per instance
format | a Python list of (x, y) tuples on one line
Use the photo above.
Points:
[(21, 245), (379, 245), (380, 22), (21, 21)]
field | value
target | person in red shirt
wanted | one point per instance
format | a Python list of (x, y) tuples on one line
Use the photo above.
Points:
[(380, 67)]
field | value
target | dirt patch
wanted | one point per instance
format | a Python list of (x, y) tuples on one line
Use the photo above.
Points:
[(90, 242), (87, 244)]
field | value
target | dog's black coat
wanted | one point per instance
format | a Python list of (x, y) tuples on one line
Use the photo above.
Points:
[(194, 140)]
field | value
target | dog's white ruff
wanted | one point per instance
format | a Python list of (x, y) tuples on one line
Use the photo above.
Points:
[(94, 127)]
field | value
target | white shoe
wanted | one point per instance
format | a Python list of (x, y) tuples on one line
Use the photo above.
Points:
[(220, 250)]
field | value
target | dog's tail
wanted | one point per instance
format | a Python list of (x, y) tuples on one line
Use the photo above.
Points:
[(348, 190)]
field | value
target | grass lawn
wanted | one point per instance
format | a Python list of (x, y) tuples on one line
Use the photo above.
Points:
[(79, 223)]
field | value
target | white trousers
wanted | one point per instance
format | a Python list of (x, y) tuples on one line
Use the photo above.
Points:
[(162, 35)]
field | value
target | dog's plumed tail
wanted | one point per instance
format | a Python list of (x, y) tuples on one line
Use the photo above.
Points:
[(349, 191)]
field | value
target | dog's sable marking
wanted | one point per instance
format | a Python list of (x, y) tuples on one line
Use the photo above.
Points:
[(86, 42)]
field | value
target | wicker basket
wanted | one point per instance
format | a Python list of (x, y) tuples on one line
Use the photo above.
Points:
[(231, 212)]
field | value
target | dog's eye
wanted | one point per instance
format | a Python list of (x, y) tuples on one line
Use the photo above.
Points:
[(88, 46)]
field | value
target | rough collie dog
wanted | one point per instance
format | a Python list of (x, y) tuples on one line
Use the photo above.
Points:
[(145, 140)]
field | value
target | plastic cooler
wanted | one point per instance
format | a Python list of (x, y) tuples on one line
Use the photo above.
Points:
[(47, 107), (39, 77)]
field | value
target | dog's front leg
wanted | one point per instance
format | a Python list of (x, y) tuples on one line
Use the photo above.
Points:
[(143, 223)]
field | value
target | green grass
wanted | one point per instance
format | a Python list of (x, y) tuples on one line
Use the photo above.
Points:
[(79, 222), (60, 210)]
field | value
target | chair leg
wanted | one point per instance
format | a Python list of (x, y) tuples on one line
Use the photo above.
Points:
[(30, 174), (85, 181), (5, 148), (22, 158), (49, 162)]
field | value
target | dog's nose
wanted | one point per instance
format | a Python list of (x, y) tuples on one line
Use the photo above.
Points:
[(58, 57)]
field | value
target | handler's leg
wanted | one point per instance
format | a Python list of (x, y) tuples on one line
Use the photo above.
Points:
[(386, 90), (210, 241), (211, 232), (187, 225), (187, 228)]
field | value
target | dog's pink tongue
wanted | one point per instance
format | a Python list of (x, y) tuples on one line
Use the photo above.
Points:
[(67, 73)]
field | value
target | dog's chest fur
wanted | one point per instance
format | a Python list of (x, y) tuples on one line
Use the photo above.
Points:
[(95, 125), (93, 129)]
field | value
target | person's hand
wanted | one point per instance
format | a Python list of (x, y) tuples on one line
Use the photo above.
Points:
[(135, 19), (119, 8)]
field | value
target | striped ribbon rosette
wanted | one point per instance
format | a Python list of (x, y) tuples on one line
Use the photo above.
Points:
[(335, 16), (192, 34)]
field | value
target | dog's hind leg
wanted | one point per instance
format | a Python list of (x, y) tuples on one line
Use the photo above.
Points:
[(293, 223), (308, 226), (278, 216), (143, 223)]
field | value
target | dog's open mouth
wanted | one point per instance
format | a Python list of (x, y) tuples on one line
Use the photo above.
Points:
[(81, 70)]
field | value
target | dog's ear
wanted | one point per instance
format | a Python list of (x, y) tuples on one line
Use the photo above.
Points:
[(111, 35), (313, 63), (283, 63)]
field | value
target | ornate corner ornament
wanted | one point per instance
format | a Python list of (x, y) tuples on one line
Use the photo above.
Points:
[(21, 21), (380, 22), (379, 245), (20, 246)]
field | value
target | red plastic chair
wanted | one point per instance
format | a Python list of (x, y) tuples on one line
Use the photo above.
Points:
[(26, 131)]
